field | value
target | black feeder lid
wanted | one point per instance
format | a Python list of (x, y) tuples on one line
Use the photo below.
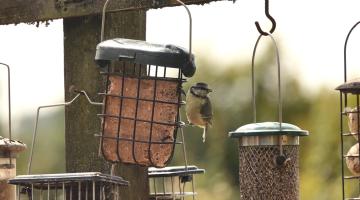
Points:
[(268, 129), (352, 86), (145, 53)]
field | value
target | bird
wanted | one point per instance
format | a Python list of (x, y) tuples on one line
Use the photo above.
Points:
[(353, 121), (198, 107), (352, 160)]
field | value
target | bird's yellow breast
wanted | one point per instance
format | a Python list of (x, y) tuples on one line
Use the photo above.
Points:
[(193, 106)]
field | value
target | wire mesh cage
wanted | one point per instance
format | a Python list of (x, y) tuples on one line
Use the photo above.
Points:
[(84, 185), (87, 185), (141, 105), (268, 153), (176, 183), (142, 98), (349, 129)]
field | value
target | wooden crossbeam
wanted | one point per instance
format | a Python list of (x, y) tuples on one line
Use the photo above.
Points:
[(28, 11)]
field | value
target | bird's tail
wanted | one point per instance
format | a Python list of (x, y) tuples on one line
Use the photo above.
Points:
[(206, 128)]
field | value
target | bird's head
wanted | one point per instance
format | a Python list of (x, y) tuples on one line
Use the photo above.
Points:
[(200, 89)]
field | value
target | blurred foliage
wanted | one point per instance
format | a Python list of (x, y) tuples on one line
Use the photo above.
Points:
[(231, 99)]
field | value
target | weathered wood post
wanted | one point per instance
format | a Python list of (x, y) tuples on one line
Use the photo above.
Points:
[(81, 35)]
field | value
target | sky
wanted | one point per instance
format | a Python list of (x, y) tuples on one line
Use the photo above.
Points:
[(310, 35)]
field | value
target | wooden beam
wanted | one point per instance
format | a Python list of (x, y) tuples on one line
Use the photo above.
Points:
[(30, 11), (81, 35)]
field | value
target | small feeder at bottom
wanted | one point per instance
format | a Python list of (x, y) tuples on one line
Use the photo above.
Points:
[(260, 175), (8, 152), (87, 185), (170, 182)]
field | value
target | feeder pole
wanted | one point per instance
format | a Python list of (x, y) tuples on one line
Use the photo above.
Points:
[(81, 35)]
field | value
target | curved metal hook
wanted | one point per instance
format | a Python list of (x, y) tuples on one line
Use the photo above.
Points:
[(269, 17), (279, 78), (79, 93), (345, 48), (9, 97), (103, 20), (190, 26)]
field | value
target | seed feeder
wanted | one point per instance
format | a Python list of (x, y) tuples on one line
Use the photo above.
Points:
[(9, 149), (85, 185), (268, 152), (349, 114), (170, 182), (140, 116)]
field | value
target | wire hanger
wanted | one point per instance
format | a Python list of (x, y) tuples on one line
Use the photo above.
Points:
[(270, 18)]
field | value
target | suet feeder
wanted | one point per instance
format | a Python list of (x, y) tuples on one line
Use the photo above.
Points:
[(142, 99), (349, 117), (268, 154), (63, 186), (170, 182), (8, 152)]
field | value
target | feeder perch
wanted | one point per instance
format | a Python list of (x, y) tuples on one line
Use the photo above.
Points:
[(142, 100), (170, 182), (259, 173), (8, 152)]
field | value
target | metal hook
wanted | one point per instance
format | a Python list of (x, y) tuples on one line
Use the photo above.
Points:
[(9, 98), (345, 56), (103, 20), (190, 26), (269, 17), (79, 93), (278, 74)]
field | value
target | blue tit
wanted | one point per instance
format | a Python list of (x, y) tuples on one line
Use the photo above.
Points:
[(198, 107)]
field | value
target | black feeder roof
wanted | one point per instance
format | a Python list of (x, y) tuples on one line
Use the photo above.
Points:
[(144, 53), (352, 86)]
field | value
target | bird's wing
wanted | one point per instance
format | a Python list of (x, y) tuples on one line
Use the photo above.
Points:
[(206, 111)]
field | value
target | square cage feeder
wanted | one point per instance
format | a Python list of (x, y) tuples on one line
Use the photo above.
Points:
[(350, 91), (87, 185), (142, 100), (170, 182), (350, 116)]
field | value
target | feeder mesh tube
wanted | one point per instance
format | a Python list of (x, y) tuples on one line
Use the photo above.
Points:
[(260, 178)]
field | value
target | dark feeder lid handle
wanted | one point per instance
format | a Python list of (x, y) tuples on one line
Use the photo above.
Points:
[(281, 158), (190, 62)]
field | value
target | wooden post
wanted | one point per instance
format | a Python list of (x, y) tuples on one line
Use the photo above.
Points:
[(81, 35)]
